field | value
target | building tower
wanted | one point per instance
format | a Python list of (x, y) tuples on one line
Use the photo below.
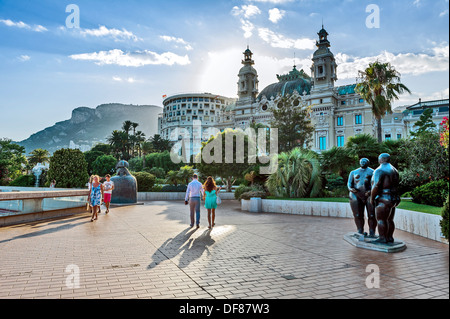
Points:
[(323, 69), (248, 80)]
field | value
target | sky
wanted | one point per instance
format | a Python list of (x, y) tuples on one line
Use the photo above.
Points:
[(135, 52)]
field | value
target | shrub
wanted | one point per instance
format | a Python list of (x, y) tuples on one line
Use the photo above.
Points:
[(157, 188), (433, 193), (444, 221), (24, 181), (157, 171), (104, 164), (68, 168), (251, 194), (145, 181), (244, 189)]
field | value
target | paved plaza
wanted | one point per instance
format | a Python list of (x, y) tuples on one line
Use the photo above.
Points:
[(149, 251)]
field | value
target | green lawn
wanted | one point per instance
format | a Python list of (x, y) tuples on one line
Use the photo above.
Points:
[(404, 204)]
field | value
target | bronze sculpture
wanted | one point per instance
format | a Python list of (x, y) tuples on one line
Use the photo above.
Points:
[(125, 185), (385, 198), (359, 185)]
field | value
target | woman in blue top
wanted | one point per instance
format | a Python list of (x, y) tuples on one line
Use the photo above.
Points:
[(211, 191), (95, 197)]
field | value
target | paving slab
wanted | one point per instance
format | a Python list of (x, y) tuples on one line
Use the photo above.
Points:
[(149, 251)]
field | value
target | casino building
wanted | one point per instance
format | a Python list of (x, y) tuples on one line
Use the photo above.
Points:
[(337, 112)]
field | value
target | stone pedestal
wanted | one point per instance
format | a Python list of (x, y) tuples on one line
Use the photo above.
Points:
[(365, 242), (255, 205)]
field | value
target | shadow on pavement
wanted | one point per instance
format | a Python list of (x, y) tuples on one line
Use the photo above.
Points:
[(189, 248)]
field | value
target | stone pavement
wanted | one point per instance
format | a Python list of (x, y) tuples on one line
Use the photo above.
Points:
[(149, 251)]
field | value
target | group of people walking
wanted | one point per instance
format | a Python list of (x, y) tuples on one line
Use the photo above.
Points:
[(101, 193), (98, 193), (209, 193)]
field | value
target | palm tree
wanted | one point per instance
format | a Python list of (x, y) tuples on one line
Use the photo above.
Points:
[(146, 148), (185, 173), (298, 175), (39, 155), (380, 85), (338, 160), (173, 177)]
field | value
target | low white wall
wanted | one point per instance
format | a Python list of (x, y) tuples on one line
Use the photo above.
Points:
[(422, 224), (147, 196)]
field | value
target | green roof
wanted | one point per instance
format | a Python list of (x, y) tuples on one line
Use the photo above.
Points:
[(346, 89)]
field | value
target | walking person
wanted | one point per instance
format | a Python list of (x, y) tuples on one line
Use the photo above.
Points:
[(194, 193), (96, 196), (108, 187), (211, 191)]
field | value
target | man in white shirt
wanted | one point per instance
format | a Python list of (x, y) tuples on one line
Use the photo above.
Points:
[(193, 194)]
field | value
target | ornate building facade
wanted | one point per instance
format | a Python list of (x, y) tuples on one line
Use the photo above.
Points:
[(336, 112)]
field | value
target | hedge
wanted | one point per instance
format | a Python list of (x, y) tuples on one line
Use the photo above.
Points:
[(433, 193)]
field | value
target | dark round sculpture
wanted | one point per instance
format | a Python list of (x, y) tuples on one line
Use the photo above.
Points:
[(125, 185)]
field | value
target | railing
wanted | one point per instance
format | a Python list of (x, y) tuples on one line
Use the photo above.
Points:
[(22, 204)]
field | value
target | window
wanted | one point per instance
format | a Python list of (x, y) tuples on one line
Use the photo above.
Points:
[(343, 102), (361, 100), (358, 119), (322, 143), (320, 69), (340, 141), (340, 121), (399, 136), (387, 137)]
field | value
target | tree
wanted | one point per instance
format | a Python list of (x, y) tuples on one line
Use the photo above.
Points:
[(90, 157), (427, 160), (102, 147), (365, 145), (424, 124), (104, 164), (298, 175), (69, 168), (146, 148), (379, 86), (293, 123), (444, 136), (12, 160), (38, 155), (223, 163), (160, 144), (339, 160), (186, 173), (173, 177)]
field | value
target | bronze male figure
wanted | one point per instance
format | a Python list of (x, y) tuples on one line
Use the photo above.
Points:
[(385, 198), (359, 185)]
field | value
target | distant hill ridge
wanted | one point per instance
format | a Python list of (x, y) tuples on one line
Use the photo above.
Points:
[(89, 126)]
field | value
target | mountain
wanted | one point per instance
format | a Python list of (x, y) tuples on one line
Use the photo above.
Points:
[(88, 126)]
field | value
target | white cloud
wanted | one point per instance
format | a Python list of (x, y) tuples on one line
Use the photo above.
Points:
[(119, 79), (443, 13), (132, 59), (276, 15), (246, 10), (405, 63), (167, 38), (116, 34), (24, 58), (23, 25), (280, 41), (274, 1), (247, 27)]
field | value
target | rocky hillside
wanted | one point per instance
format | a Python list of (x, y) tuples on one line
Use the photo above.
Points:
[(88, 127)]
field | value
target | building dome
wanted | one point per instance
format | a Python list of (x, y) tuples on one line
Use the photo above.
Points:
[(293, 81)]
